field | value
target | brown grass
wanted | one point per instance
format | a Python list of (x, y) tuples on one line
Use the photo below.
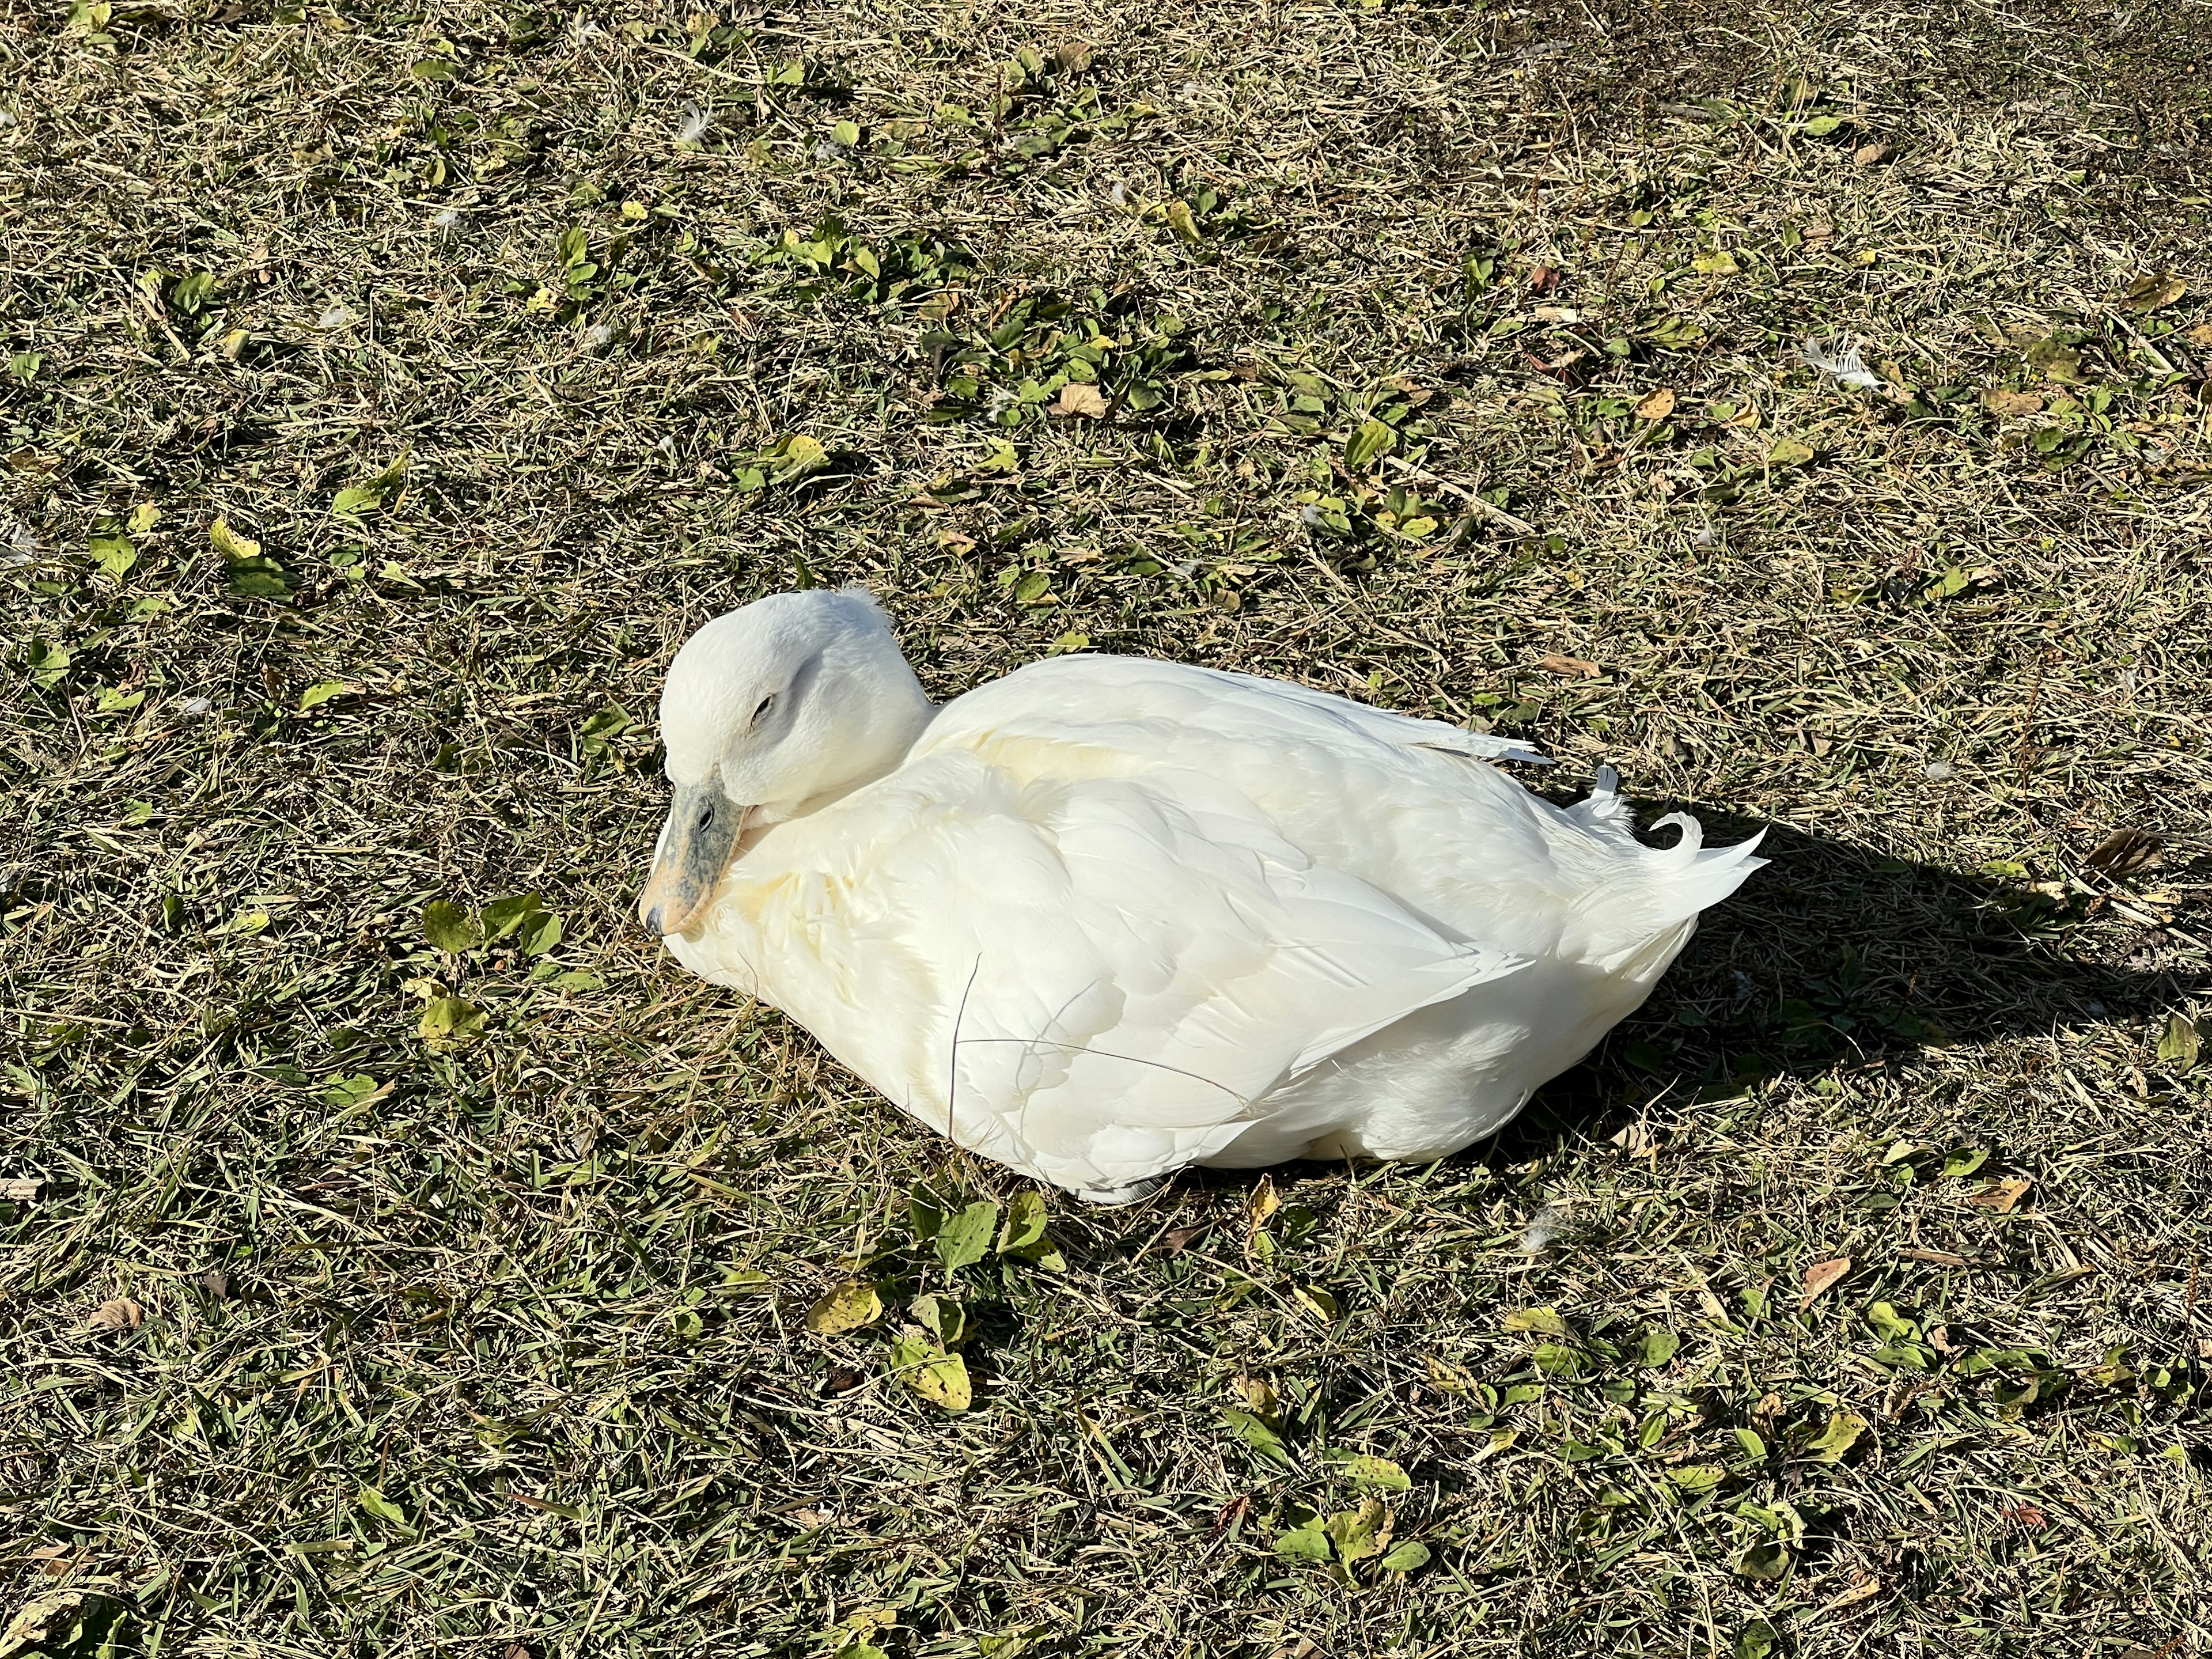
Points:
[(500, 1344)]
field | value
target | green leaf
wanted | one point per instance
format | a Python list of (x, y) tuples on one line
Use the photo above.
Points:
[(939, 1377), (252, 572), (1718, 262), (541, 931), (964, 1239), (846, 1308), (114, 554), (597, 734), (380, 1506), (451, 927), (431, 69), (947, 1320), (1360, 1532), (1025, 1221), (1306, 1541), (1693, 1478), (503, 916), (1837, 1437), (2180, 1043), (1319, 1302), (450, 1022), (321, 692), (1751, 1445), (1365, 1469), (1546, 1321), (1764, 1562), (1372, 440), (1788, 452), (1755, 1641), (370, 495), (48, 663), (1406, 1557), (1658, 1346), (1965, 1161), (847, 133), (1255, 1431)]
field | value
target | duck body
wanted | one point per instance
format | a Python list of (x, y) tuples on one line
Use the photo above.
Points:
[(1107, 917)]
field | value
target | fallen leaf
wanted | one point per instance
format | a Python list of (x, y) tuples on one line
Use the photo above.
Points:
[(939, 1377), (2001, 1195), (1376, 1474), (1181, 221), (1360, 1532), (1636, 1140), (1406, 1557), (450, 1022), (1719, 262), (1854, 1595), (1788, 452), (2058, 361), (2180, 1042), (1822, 1276), (846, 1308), (1255, 1431), (1081, 398), (1573, 668), (1558, 314), (1655, 405), (2124, 852), (1258, 1394), (1544, 1321), (1873, 155), (1544, 279), (1264, 1202), (118, 1314), (2149, 293), (1319, 1302), (216, 1284), (47, 1621), (1837, 1437), (2003, 400), (2201, 335)]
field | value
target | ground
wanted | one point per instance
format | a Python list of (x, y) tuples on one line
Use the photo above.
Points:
[(389, 392)]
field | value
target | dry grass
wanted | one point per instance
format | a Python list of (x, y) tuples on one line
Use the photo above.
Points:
[(497, 1345)]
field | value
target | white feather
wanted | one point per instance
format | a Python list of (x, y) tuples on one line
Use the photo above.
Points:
[(1106, 917), (1847, 364)]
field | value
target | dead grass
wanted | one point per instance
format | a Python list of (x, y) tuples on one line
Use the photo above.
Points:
[(499, 1346)]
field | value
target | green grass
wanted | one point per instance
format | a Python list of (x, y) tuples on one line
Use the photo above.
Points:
[(467, 1288)]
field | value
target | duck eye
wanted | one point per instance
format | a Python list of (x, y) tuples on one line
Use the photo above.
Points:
[(706, 817), (761, 713)]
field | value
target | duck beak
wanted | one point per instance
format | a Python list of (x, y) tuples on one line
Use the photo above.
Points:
[(695, 848)]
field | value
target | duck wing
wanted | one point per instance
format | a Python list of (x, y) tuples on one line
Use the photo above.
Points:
[(1095, 979)]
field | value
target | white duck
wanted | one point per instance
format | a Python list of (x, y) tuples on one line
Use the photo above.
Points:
[(1107, 917)]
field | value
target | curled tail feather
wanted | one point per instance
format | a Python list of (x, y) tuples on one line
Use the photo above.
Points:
[(1649, 896)]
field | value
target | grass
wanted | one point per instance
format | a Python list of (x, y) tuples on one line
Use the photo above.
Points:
[(389, 392)]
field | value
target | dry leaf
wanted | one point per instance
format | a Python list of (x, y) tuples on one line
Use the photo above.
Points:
[(2201, 335), (1746, 417), (2002, 400), (2124, 852), (1822, 1276), (1854, 1595), (1263, 1202), (1544, 279), (1655, 405), (1637, 1141), (846, 1308), (1081, 398), (1558, 314), (118, 1314), (1873, 155), (1573, 668), (2151, 293), (2001, 1195)]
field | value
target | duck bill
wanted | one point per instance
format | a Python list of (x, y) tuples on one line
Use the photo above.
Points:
[(695, 848)]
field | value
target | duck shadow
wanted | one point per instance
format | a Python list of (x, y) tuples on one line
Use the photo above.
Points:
[(1834, 957)]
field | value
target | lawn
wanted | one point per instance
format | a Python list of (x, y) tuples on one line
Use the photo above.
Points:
[(389, 392)]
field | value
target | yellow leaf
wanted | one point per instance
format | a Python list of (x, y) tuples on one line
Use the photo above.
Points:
[(1718, 262), (2001, 1195), (1788, 452), (846, 1308), (1655, 405), (1181, 222), (2151, 293), (939, 1377), (1545, 1321), (232, 546)]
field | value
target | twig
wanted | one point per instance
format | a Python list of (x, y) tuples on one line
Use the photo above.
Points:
[(1488, 509)]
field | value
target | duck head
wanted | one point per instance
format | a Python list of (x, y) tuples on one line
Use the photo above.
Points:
[(770, 713)]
